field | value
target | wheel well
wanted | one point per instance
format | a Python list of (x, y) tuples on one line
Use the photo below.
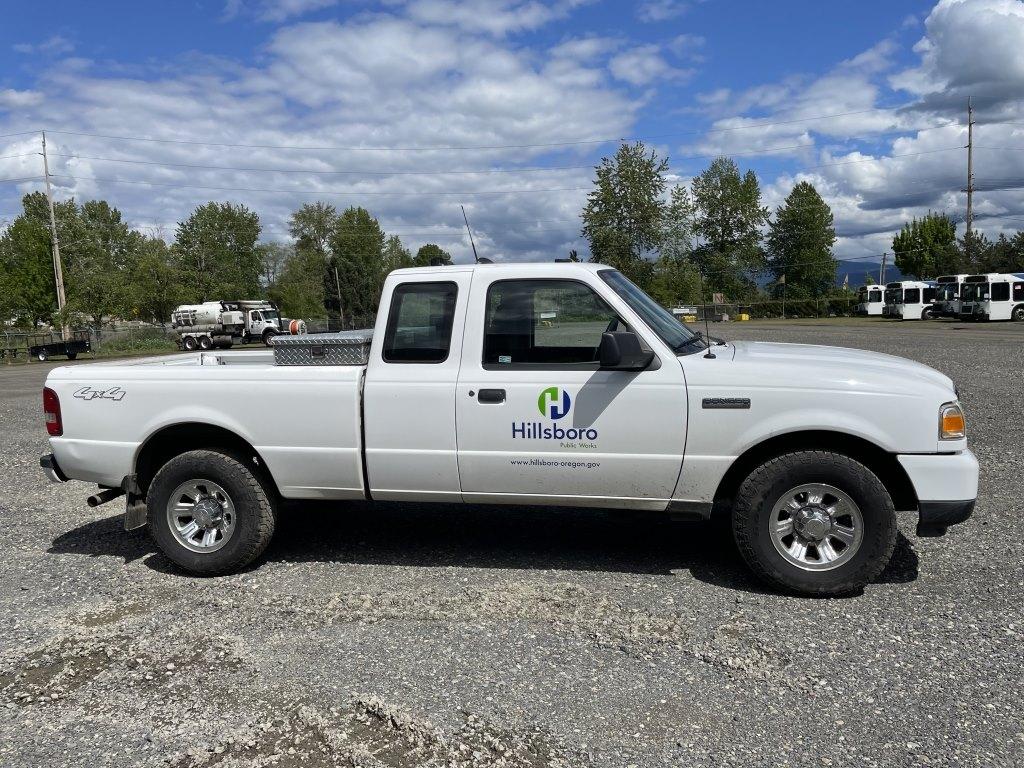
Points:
[(165, 444), (881, 462)]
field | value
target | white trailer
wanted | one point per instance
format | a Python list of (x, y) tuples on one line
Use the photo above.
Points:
[(219, 323), (909, 299), (869, 301), (995, 296)]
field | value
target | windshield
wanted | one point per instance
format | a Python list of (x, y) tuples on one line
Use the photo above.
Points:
[(657, 318), (975, 291), (272, 315), (947, 292)]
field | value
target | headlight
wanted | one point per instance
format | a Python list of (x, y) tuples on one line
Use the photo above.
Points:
[(951, 422)]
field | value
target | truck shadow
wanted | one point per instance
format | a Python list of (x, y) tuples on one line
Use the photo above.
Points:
[(436, 535)]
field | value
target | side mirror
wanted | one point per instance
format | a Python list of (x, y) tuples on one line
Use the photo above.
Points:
[(621, 351)]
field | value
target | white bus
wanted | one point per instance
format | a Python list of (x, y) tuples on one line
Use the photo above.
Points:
[(994, 296), (947, 295), (909, 299), (869, 300)]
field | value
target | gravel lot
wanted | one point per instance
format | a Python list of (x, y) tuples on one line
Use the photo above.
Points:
[(416, 635)]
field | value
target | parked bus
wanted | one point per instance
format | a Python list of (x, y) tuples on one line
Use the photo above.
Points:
[(947, 295), (909, 299), (994, 296), (869, 300)]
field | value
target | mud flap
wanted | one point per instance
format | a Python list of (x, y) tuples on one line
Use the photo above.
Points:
[(135, 512)]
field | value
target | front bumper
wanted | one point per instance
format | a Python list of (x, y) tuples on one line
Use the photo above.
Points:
[(52, 469), (946, 485)]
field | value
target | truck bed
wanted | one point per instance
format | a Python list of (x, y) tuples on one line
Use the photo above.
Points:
[(302, 420)]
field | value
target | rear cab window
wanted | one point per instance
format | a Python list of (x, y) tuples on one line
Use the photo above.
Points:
[(420, 322)]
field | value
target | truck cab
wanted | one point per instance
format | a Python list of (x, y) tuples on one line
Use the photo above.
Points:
[(543, 384)]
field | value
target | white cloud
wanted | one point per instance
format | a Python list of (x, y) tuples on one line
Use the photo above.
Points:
[(12, 99), (55, 45), (382, 80), (494, 17), (661, 10), (644, 64)]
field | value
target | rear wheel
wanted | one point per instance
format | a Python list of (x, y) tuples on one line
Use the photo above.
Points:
[(927, 314), (72, 355), (815, 523), (43, 356), (205, 342), (189, 342), (209, 513), (1018, 313)]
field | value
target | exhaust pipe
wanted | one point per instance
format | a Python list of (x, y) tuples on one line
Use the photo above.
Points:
[(104, 496)]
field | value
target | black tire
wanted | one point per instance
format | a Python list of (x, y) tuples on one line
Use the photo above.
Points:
[(43, 356), (205, 342), (768, 483), (926, 314), (189, 343), (253, 506), (72, 355), (1018, 313), (267, 336)]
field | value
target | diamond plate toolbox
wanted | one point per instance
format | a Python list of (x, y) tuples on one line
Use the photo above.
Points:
[(345, 348)]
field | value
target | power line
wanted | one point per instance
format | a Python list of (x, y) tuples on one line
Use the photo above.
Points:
[(20, 133)]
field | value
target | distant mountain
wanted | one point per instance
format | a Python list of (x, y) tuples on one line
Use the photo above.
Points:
[(859, 270)]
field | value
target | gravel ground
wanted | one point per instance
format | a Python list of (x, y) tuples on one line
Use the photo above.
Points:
[(409, 635)]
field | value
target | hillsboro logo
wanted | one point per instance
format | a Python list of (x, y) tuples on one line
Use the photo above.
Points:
[(551, 404)]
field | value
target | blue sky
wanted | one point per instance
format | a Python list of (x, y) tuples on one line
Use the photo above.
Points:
[(410, 107)]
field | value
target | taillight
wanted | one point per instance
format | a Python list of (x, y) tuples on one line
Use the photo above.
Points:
[(51, 409)]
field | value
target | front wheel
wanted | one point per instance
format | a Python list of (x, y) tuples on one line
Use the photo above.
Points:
[(815, 523), (72, 355), (209, 513), (1018, 313), (267, 336), (43, 356)]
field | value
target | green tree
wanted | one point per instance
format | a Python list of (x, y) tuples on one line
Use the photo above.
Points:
[(396, 255), (299, 289), (674, 281), (26, 265), (357, 246), (311, 226), (155, 282), (1006, 254), (216, 253), (799, 244), (729, 220), (927, 247), (622, 219), (429, 252)]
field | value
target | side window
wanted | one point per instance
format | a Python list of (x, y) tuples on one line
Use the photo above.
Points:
[(929, 295), (1018, 291), (1000, 291), (420, 323), (912, 296), (545, 323)]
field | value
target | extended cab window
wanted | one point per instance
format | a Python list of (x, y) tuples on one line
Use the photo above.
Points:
[(1000, 291), (545, 323), (420, 323)]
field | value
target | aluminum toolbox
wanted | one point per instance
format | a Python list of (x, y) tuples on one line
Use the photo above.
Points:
[(345, 348)]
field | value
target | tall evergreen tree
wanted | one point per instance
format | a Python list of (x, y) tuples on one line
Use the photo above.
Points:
[(799, 244), (396, 255), (622, 219), (729, 222)]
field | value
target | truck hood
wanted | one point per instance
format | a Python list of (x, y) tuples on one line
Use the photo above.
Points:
[(840, 365)]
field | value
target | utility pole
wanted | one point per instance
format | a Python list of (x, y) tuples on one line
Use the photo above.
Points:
[(970, 179), (341, 310), (881, 270), (58, 272)]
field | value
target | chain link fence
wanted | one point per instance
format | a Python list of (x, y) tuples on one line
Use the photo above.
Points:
[(777, 309)]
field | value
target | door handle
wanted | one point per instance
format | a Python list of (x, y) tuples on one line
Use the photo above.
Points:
[(491, 396)]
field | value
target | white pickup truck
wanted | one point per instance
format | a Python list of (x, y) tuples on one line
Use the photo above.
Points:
[(544, 384)]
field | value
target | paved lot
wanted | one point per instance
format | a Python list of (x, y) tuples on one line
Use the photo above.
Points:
[(408, 635)]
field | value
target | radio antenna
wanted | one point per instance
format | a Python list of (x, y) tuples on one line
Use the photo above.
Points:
[(464, 216)]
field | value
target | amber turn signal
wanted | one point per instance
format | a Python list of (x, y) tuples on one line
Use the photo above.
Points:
[(951, 422)]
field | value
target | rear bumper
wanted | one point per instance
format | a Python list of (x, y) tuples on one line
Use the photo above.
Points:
[(52, 469), (947, 487)]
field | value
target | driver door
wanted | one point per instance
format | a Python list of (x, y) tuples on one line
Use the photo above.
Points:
[(539, 422)]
